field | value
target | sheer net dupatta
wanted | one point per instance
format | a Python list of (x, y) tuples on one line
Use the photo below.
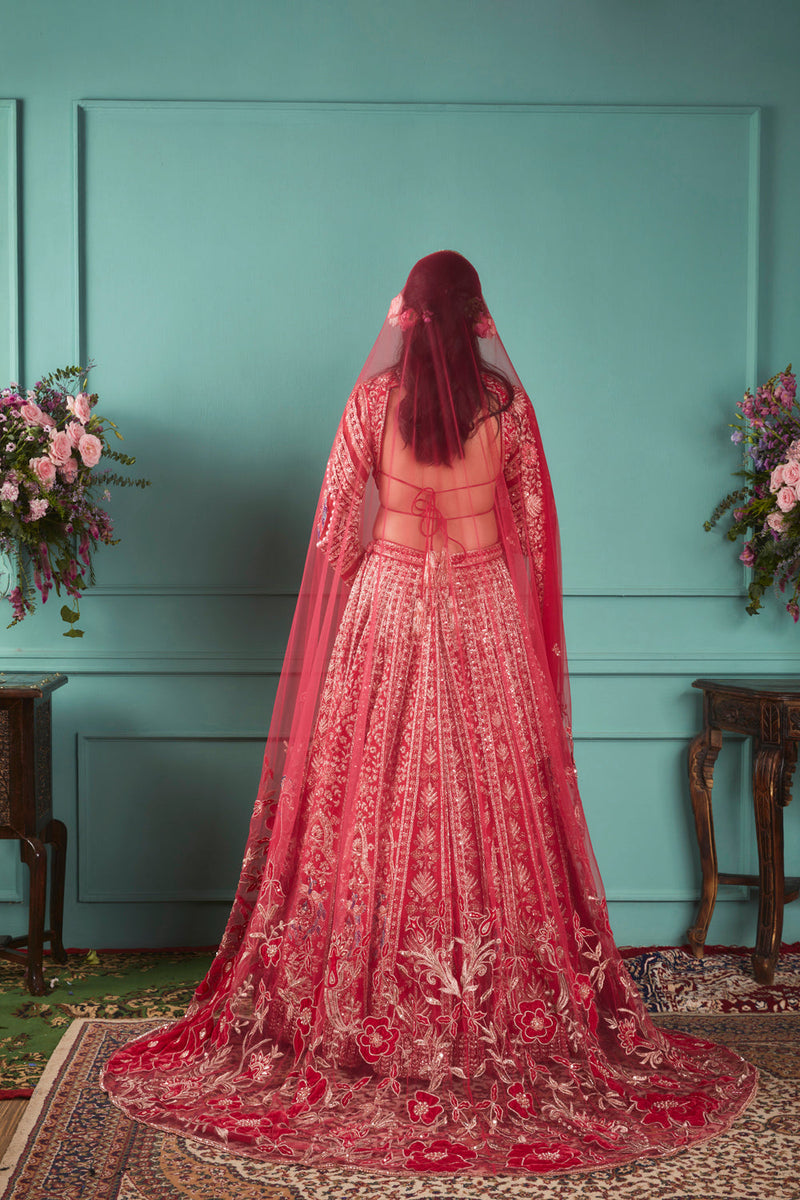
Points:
[(418, 971), (375, 491)]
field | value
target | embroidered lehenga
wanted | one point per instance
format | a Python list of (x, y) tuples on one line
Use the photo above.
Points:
[(418, 971)]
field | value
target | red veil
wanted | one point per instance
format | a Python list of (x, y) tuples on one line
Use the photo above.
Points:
[(418, 971)]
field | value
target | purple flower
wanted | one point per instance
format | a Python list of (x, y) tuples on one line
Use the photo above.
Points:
[(747, 556)]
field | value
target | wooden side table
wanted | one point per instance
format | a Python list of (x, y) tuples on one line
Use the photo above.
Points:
[(768, 710), (26, 813)]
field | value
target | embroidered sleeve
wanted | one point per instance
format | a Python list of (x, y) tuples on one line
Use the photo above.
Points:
[(522, 473), (339, 518)]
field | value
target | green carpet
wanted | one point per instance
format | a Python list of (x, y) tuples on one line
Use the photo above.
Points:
[(112, 985)]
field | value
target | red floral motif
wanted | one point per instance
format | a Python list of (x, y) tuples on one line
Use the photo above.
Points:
[(310, 1089), (351, 1134), (259, 1066), (271, 1128), (600, 1072), (441, 1155), (583, 990), (377, 1039), (596, 1139), (521, 1102), (535, 1023), (626, 1031), (305, 1014), (676, 1110), (541, 1156), (584, 993), (270, 951), (425, 1108)]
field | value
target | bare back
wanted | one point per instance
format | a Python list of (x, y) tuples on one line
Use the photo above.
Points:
[(427, 505)]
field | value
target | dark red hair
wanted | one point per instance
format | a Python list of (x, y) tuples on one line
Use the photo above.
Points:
[(441, 366)]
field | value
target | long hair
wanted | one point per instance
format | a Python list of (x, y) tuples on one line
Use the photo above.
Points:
[(447, 383)]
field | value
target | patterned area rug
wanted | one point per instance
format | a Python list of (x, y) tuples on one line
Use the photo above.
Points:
[(675, 981), (73, 1143)]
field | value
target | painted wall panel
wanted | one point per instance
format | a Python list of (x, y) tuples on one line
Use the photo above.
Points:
[(163, 817), (204, 247), (9, 244), (636, 781), (10, 873)]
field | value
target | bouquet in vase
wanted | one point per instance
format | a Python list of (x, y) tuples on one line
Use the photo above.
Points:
[(766, 509), (52, 441)]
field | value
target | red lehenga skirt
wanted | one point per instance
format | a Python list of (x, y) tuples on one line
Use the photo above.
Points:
[(430, 982)]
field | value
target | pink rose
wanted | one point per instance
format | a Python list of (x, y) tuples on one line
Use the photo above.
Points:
[(791, 474), (9, 491), (45, 470), (79, 407), (60, 447), (33, 415), (776, 478), (39, 508), (776, 521), (90, 449), (30, 413), (786, 499), (69, 470), (75, 431), (408, 318)]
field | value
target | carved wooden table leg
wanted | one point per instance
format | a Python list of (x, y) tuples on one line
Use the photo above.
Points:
[(703, 753), (767, 795), (55, 832), (33, 853)]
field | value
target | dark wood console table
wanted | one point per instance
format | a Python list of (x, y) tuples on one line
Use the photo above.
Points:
[(26, 813), (768, 710)]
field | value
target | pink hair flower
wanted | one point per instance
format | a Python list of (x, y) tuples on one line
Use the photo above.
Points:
[(395, 309), (484, 326)]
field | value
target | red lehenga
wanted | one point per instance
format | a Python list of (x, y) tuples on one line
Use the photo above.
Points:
[(418, 972)]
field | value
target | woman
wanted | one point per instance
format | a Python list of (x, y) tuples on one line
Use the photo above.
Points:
[(418, 972)]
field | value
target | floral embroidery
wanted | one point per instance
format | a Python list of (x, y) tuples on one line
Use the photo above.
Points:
[(541, 1156), (535, 1023), (441, 1155), (675, 1110), (260, 1065), (521, 1102), (310, 1089), (377, 1039), (424, 1108)]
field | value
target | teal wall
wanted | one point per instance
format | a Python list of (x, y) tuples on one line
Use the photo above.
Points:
[(217, 202)]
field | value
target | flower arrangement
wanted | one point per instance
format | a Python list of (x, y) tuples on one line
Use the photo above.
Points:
[(51, 442), (767, 507)]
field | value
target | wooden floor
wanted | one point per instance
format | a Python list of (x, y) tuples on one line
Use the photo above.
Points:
[(10, 1114)]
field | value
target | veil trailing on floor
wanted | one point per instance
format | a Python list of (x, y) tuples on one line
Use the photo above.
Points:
[(418, 971)]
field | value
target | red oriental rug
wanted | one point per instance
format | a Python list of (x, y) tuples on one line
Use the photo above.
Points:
[(73, 1144), (673, 980)]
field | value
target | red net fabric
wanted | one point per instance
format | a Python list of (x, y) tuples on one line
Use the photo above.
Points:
[(418, 971)]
